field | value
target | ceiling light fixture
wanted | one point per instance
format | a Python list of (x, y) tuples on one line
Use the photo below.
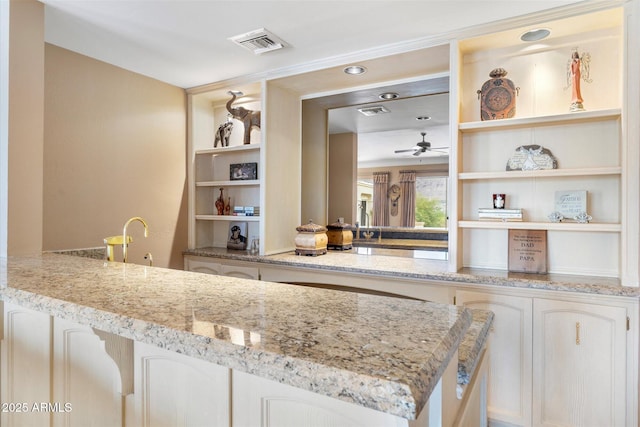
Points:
[(423, 118), (373, 110), (355, 69), (388, 95), (237, 93), (535, 35)]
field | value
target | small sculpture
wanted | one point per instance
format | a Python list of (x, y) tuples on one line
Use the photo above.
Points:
[(223, 133), (220, 203), (583, 218), (556, 217), (249, 118), (578, 68)]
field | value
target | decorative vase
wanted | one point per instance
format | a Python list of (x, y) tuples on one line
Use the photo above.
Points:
[(220, 203)]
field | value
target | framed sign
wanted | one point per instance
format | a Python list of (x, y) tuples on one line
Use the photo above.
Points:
[(528, 251), (571, 203)]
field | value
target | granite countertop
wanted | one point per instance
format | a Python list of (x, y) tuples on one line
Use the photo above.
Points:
[(429, 269), (378, 352)]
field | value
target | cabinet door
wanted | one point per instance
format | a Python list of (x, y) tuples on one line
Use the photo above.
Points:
[(510, 358), (172, 389), (26, 361), (86, 379), (579, 364), (199, 266), (258, 402)]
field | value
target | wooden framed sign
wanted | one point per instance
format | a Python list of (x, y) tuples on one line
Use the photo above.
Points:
[(528, 251)]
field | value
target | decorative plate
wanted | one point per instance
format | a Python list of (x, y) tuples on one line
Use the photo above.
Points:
[(531, 157)]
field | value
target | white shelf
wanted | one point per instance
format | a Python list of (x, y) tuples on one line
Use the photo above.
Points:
[(547, 173), (238, 183), (224, 150), (524, 122), (254, 218), (552, 226)]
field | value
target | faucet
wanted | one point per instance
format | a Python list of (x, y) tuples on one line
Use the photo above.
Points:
[(379, 234), (124, 234)]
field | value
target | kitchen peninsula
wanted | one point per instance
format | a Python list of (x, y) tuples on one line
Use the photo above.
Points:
[(245, 344), (549, 330)]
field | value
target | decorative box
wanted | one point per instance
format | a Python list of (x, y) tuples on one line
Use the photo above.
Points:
[(311, 239), (340, 236)]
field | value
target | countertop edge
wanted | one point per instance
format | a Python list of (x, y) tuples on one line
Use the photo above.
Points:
[(518, 281)]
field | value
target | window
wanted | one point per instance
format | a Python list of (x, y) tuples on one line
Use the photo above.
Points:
[(431, 201)]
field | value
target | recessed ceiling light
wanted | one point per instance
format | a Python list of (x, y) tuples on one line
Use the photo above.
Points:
[(535, 35), (423, 118), (355, 69), (388, 95)]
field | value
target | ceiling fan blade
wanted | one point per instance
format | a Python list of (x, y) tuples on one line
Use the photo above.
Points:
[(405, 151), (418, 152)]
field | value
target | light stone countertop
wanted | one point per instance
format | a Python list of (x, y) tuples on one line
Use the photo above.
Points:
[(429, 269), (378, 352)]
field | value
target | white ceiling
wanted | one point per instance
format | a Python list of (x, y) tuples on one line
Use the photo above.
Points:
[(186, 43)]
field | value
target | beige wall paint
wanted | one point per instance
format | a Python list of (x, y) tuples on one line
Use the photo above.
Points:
[(115, 148), (26, 104), (343, 173)]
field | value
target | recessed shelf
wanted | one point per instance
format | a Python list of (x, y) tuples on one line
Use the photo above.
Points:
[(525, 122), (238, 183), (221, 150), (254, 218), (546, 173), (552, 226)]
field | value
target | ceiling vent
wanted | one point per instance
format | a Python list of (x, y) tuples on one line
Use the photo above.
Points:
[(373, 110), (259, 41)]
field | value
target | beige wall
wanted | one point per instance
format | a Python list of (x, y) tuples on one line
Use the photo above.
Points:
[(343, 167), (115, 148), (25, 151)]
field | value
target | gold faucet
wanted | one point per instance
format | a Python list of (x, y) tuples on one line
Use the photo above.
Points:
[(379, 234), (124, 234)]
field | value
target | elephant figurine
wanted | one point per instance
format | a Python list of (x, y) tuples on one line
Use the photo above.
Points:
[(222, 134), (249, 118)]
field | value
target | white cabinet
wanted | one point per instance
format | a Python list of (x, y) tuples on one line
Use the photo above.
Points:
[(175, 390), (510, 354), (222, 268), (579, 364), (258, 402), (557, 362), (85, 377), (26, 364), (589, 147)]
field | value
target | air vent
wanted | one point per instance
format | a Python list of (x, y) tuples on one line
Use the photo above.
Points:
[(259, 41), (373, 110)]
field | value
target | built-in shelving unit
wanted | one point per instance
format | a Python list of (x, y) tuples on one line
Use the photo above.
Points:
[(587, 145), (210, 171)]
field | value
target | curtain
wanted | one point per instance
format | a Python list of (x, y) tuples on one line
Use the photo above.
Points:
[(408, 187), (380, 200)]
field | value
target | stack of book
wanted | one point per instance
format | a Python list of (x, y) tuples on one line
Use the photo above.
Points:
[(490, 214), (246, 210)]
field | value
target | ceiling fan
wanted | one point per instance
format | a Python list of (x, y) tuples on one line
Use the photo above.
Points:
[(424, 146)]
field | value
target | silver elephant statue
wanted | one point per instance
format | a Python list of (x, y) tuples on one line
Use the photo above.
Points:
[(249, 118), (222, 134)]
